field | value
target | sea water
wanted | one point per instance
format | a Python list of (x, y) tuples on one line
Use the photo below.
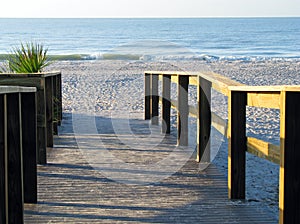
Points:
[(154, 38)]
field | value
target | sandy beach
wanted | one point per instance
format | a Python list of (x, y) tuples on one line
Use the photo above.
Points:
[(93, 76), (102, 86)]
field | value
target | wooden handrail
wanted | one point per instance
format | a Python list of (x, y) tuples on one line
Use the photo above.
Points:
[(39, 74), (49, 104), (284, 97), (18, 146)]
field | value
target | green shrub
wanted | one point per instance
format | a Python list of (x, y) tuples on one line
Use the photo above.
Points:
[(27, 58)]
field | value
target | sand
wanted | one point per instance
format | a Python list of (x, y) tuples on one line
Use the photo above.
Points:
[(102, 86)]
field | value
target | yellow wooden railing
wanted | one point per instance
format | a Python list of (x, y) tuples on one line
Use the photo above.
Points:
[(284, 98)]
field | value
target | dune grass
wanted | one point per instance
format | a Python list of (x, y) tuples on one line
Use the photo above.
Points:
[(26, 58)]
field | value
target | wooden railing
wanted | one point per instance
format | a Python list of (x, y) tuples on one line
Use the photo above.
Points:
[(18, 146), (284, 98), (49, 104)]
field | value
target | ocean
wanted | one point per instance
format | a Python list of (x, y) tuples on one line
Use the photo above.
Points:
[(158, 39)]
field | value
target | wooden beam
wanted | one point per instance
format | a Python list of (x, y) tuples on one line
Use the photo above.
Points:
[(276, 88), (183, 111), (174, 79), (219, 83), (166, 104), (55, 105), (264, 99), (147, 83), (29, 145), (49, 110), (263, 149), (154, 99), (203, 120), (14, 167), (220, 124), (41, 124), (2, 161), (289, 183), (59, 97), (237, 102)]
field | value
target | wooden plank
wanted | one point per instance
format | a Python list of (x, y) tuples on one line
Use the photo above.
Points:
[(71, 191), (174, 79), (39, 82), (14, 160), (291, 88), (55, 105), (49, 110), (220, 124), (214, 78), (29, 145), (41, 124), (26, 75), (203, 120), (276, 88), (175, 73), (147, 102), (2, 161), (236, 144), (263, 150), (289, 204), (166, 104), (59, 92), (282, 153), (219, 83), (264, 99), (15, 81), (154, 99), (15, 89), (183, 111)]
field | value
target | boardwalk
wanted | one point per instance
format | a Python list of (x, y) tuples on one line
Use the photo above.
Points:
[(70, 190)]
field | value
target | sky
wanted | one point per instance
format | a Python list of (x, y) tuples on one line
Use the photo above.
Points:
[(150, 8)]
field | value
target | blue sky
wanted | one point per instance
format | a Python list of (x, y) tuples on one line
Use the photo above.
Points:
[(150, 8)]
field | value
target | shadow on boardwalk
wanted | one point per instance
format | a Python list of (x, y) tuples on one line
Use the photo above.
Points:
[(70, 190)]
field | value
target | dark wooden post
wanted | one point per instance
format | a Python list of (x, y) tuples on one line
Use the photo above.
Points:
[(41, 123), (59, 96), (55, 105), (2, 162), (154, 99), (166, 104), (289, 184), (237, 140), (147, 96), (183, 110), (29, 145), (14, 167), (49, 110), (203, 120)]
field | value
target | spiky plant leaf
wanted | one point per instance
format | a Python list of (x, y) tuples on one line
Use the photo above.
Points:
[(28, 58)]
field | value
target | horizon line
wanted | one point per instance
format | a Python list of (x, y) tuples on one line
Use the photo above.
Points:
[(157, 17)]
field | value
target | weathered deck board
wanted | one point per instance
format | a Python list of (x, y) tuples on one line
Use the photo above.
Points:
[(71, 191)]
